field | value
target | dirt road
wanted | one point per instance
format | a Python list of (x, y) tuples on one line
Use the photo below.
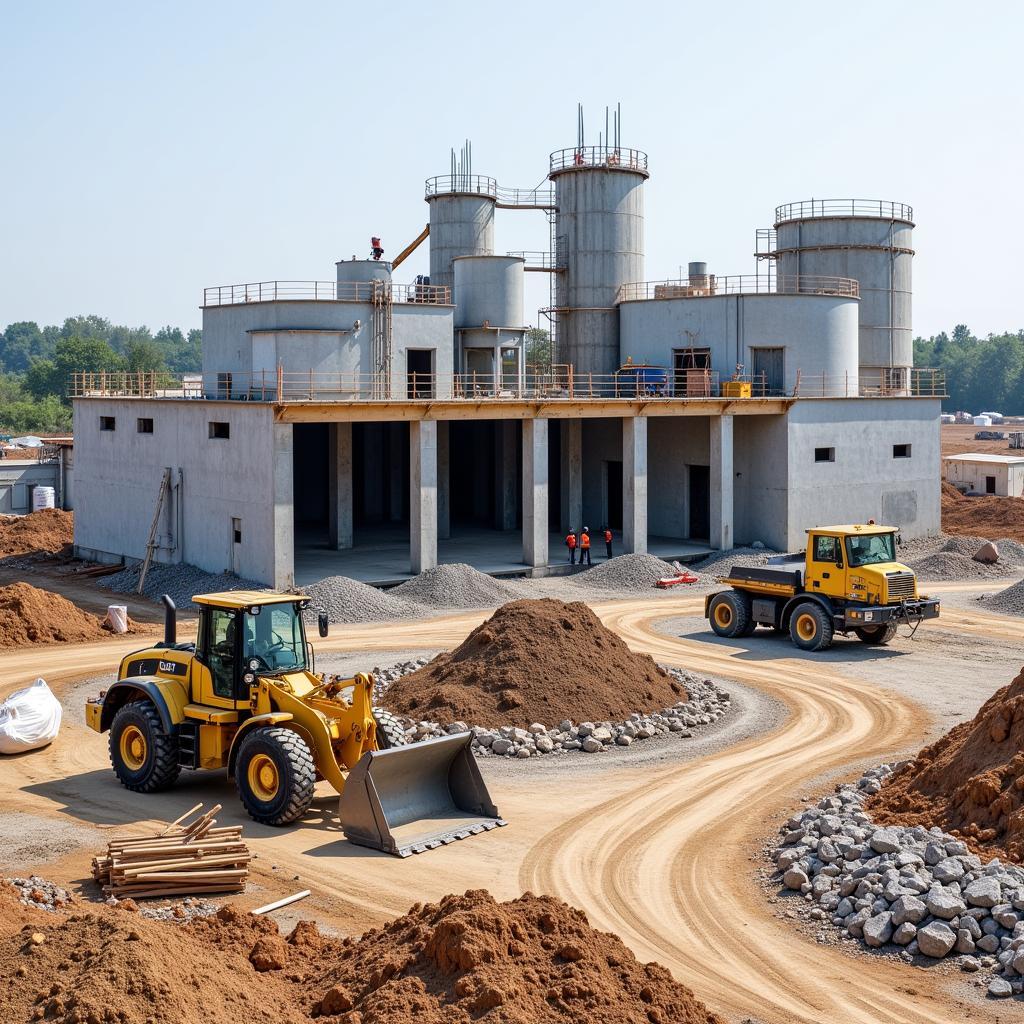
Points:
[(666, 857)]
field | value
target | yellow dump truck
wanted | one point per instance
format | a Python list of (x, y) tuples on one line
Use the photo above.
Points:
[(245, 697), (847, 581)]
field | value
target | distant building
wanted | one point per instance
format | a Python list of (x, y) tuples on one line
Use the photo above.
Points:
[(1002, 475)]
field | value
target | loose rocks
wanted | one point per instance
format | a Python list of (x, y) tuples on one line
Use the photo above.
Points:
[(911, 888), (39, 893), (179, 582), (455, 586), (348, 600), (626, 572)]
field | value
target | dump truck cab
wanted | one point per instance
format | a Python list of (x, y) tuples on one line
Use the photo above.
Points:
[(847, 580), (245, 697)]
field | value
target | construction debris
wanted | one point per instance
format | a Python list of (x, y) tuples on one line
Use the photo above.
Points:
[(181, 860), (49, 531)]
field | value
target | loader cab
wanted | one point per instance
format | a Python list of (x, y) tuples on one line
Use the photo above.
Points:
[(244, 636), (826, 564)]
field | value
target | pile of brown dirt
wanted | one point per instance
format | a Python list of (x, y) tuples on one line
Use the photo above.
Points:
[(988, 516), (469, 958), (49, 531), (29, 615), (969, 783), (116, 967), (465, 959), (535, 661)]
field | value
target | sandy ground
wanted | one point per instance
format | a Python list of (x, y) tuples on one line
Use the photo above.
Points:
[(659, 843), (958, 439)]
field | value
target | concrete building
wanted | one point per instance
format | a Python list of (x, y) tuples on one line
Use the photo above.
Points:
[(372, 429), (986, 474)]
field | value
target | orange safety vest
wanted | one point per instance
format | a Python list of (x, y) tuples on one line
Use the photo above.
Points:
[(607, 536), (585, 541), (571, 540)]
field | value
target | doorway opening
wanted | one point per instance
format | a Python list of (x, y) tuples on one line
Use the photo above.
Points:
[(613, 495), (419, 363), (700, 502)]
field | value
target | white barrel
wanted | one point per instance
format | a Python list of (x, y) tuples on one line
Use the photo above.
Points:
[(43, 497), (117, 617)]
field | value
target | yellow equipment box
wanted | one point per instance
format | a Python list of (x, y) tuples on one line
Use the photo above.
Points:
[(736, 389)]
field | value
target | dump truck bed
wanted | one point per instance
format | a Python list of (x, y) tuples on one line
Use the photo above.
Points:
[(783, 581)]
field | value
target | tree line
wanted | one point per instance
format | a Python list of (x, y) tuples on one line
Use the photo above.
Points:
[(981, 373), (36, 364)]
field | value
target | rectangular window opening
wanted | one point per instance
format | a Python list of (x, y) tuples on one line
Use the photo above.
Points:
[(901, 451), (824, 455), (236, 531), (144, 425), (108, 423), (220, 430)]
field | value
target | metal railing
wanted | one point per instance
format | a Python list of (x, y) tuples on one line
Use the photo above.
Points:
[(540, 198), (539, 259), (806, 208), (560, 382), (740, 284), (612, 157), (323, 291)]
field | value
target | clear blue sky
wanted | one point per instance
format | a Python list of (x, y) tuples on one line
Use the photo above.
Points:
[(152, 149)]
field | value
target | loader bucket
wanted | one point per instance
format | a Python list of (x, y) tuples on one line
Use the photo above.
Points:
[(413, 798)]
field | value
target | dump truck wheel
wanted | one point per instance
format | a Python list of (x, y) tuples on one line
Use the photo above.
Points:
[(144, 756), (810, 627), (275, 775), (729, 613), (389, 730), (876, 634)]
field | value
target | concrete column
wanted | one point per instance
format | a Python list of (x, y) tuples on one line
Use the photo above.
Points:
[(283, 512), (395, 461), (339, 473), (505, 474), (634, 485), (535, 492), (721, 482), (444, 519), (572, 474), (422, 495)]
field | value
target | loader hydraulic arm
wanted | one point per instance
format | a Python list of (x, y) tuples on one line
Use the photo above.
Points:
[(410, 248)]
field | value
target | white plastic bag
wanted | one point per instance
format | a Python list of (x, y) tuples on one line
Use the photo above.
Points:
[(29, 718), (117, 617)]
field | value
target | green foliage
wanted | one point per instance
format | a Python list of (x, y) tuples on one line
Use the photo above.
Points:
[(20, 413), (538, 347), (70, 355), (981, 373)]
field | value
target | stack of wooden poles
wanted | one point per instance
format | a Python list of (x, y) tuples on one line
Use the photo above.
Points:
[(184, 859)]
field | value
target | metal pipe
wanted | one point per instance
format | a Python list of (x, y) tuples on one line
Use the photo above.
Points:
[(170, 621)]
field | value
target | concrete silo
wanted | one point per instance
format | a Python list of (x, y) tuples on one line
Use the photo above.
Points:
[(870, 241), (461, 222), (599, 244), (489, 314)]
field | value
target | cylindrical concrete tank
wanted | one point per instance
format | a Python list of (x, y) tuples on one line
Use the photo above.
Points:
[(600, 243), (360, 272), (461, 222), (872, 242), (490, 289)]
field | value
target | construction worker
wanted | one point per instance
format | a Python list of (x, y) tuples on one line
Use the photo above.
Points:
[(585, 545), (608, 541), (376, 248), (570, 543)]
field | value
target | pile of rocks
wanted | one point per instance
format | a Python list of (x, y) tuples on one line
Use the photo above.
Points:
[(348, 600), (180, 582), (719, 562), (177, 912), (39, 893), (916, 891), (631, 573), (707, 704), (456, 586)]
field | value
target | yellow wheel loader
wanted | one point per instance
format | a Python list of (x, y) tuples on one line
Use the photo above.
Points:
[(848, 580), (245, 697)]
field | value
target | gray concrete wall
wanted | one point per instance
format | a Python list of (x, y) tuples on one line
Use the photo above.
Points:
[(18, 477), (118, 475), (817, 332), (601, 441), (674, 444), (865, 481), (761, 467), (421, 326)]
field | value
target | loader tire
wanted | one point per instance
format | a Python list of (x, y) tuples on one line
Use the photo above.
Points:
[(810, 627), (729, 614), (880, 634), (143, 755), (275, 775), (389, 730)]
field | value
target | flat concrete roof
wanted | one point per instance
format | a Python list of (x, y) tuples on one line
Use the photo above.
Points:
[(1006, 460)]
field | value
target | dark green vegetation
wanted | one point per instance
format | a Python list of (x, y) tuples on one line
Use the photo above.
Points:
[(981, 373), (36, 364)]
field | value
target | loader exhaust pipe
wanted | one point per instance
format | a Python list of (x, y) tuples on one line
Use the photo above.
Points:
[(170, 621), (413, 798)]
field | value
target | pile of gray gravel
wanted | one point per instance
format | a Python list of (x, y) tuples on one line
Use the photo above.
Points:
[(181, 582), (626, 572), (706, 704), (456, 586), (720, 562), (1009, 601), (916, 892), (950, 565), (348, 600)]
